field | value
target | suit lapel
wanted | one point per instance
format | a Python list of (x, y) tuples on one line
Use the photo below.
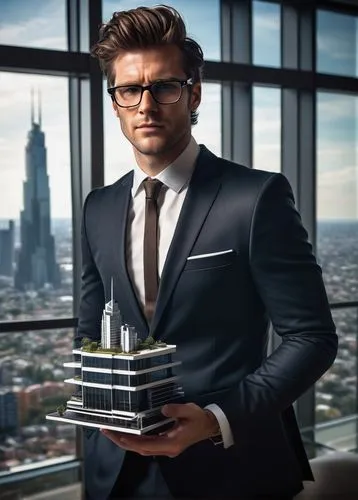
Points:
[(124, 287), (202, 191)]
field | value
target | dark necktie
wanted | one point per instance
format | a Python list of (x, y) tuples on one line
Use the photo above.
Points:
[(150, 249)]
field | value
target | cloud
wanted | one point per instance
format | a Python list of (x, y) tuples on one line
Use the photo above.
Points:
[(336, 106), (337, 194), (44, 28), (266, 17), (340, 177), (14, 35), (335, 47), (205, 30)]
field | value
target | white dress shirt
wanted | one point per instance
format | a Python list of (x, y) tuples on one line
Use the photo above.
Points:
[(175, 179)]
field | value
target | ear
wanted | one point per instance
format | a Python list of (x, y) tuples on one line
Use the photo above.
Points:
[(195, 96)]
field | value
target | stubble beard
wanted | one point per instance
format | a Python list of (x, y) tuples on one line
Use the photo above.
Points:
[(163, 148)]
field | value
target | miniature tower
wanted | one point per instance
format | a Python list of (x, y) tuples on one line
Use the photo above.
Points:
[(129, 338), (111, 324)]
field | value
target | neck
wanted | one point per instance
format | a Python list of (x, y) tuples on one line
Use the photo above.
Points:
[(154, 164)]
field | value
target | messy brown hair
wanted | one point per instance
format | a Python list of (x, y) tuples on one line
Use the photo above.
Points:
[(144, 27)]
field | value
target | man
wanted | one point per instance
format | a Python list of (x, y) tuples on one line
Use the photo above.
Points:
[(230, 255)]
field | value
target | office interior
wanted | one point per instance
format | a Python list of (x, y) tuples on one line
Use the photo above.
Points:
[(280, 93)]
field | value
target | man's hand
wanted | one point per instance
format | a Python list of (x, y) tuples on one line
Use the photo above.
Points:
[(193, 424)]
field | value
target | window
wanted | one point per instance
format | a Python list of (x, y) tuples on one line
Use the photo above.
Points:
[(337, 49), (208, 129), (39, 23), (337, 243), (97, 378), (66, 481), (336, 391), (32, 385), (337, 208), (202, 19), (35, 198), (119, 158), (266, 34), (267, 128)]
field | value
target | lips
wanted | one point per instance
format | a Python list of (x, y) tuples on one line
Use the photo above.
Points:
[(149, 125)]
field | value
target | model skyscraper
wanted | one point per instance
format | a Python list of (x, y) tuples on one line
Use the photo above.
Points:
[(36, 265), (111, 324), (123, 382)]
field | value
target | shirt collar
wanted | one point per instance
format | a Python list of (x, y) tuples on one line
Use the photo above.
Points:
[(176, 175)]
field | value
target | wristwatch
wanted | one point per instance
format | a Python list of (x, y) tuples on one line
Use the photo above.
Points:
[(216, 436)]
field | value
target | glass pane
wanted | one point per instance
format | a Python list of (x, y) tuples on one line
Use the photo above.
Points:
[(266, 34), (337, 48), (35, 198), (62, 485), (32, 380), (39, 23), (119, 157), (336, 391), (337, 209), (202, 19), (267, 129), (208, 129)]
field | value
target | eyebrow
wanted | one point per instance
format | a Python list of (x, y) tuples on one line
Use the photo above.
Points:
[(157, 80)]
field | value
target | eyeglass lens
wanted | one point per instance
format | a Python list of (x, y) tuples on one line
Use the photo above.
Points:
[(162, 92)]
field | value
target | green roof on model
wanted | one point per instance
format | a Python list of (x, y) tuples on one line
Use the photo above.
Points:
[(149, 343)]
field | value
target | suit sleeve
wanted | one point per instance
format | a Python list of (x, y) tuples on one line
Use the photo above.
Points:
[(92, 293), (289, 282)]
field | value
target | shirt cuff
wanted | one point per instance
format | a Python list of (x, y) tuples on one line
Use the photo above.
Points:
[(225, 429)]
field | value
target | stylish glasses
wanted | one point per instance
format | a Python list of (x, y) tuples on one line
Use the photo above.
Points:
[(163, 92)]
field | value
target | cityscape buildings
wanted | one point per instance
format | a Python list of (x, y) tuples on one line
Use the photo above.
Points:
[(36, 266), (8, 410), (7, 245)]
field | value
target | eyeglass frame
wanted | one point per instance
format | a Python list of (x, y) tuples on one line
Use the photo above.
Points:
[(184, 83)]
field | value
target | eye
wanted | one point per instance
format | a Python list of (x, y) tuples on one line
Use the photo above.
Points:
[(129, 91), (166, 86)]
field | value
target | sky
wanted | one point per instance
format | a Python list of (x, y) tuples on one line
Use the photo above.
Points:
[(41, 23)]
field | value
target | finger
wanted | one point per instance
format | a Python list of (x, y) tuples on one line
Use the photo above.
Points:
[(116, 437), (175, 410), (145, 445), (129, 438), (119, 440), (130, 441), (160, 446), (174, 426), (176, 433), (108, 432)]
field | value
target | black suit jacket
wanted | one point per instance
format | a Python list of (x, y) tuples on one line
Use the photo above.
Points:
[(216, 310)]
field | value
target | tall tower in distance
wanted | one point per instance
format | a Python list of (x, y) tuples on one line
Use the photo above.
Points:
[(36, 264)]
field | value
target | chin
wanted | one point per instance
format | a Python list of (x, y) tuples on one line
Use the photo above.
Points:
[(152, 147)]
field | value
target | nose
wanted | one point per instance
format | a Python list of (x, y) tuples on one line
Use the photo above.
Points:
[(147, 103)]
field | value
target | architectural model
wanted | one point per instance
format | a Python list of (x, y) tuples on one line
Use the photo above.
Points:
[(122, 382)]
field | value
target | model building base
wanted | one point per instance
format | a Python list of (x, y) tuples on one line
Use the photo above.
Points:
[(111, 423)]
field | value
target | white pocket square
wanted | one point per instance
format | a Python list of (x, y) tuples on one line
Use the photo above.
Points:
[(205, 255)]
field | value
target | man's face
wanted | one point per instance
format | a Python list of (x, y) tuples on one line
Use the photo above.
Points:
[(171, 127)]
